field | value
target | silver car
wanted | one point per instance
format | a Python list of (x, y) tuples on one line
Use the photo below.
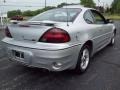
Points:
[(59, 39)]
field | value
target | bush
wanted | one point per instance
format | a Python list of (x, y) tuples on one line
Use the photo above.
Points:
[(14, 13), (27, 13)]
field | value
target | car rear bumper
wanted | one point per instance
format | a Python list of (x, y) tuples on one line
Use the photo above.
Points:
[(53, 60)]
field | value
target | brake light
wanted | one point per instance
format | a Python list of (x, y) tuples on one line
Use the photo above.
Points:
[(7, 32), (55, 35)]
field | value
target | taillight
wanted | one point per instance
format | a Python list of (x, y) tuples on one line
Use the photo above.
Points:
[(7, 32), (55, 35)]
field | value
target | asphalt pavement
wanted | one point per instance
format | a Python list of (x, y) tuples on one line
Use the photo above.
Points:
[(103, 73)]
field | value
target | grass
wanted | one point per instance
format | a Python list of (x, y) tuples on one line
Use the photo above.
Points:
[(113, 17)]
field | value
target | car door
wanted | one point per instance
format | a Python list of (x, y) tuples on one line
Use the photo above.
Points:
[(103, 30)]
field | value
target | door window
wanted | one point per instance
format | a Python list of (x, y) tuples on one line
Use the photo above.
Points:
[(98, 18)]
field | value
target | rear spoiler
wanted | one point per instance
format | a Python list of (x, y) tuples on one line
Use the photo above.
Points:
[(42, 23)]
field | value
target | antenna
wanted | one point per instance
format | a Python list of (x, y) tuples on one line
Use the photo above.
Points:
[(45, 3), (67, 14)]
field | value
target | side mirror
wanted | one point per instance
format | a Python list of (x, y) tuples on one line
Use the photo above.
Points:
[(109, 21)]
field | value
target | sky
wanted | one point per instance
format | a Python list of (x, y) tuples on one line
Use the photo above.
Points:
[(36, 4)]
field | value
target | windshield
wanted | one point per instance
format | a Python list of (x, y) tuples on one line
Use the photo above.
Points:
[(58, 15)]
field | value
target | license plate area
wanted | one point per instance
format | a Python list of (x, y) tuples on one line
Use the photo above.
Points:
[(18, 54)]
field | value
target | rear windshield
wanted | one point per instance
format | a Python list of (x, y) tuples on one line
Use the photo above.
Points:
[(58, 15)]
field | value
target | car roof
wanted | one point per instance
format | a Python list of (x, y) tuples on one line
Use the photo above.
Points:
[(77, 6)]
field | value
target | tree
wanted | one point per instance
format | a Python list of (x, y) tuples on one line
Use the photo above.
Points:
[(28, 13), (100, 9), (61, 5), (108, 9), (115, 6), (88, 3), (14, 13)]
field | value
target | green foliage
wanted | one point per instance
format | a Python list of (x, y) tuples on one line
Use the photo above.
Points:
[(115, 7), (61, 5), (14, 13), (27, 13), (88, 3)]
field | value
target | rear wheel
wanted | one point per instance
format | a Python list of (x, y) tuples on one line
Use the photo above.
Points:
[(83, 60)]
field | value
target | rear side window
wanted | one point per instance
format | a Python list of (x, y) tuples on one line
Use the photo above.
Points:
[(88, 17)]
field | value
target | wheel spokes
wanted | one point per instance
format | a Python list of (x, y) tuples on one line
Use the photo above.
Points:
[(85, 59)]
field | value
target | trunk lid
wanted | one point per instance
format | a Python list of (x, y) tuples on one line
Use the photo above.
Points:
[(31, 31)]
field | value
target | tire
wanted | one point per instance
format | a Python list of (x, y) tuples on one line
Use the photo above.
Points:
[(83, 60), (112, 42)]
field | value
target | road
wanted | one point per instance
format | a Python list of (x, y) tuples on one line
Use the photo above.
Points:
[(103, 73)]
